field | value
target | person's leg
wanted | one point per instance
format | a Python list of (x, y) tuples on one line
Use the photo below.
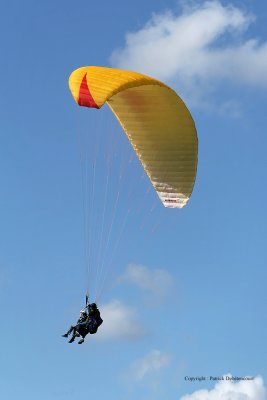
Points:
[(72, 339), (75, 333), (69, 331)]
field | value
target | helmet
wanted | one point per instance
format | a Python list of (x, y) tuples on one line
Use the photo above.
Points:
[(93, 306)]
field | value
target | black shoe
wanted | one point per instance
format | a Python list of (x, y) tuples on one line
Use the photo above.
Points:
[(65, 335), (81, 341), (72, 339)]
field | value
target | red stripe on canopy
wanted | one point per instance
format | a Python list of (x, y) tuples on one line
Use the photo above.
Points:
[(85, 97)]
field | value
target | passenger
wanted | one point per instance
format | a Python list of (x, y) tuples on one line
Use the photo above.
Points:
[(80, 327)]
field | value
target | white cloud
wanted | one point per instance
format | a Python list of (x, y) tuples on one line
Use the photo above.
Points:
[(197, 50), (228, 390), (156, 281), (120, 321), (151, 363)]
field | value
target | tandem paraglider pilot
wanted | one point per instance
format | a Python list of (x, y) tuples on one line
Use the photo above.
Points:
[(88, 322)]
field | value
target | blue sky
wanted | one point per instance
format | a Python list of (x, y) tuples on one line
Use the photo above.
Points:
[(188, 293)]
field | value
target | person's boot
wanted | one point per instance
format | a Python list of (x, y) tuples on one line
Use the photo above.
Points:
[(81, 341), (72, 339), (65, 335)]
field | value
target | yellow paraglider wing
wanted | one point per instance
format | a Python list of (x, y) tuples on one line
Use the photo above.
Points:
[(155, 120)]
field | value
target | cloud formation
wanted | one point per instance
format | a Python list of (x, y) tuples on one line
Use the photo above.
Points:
[(155, 281), (197, 50), (152, 362), (225, 390), (120, 321)]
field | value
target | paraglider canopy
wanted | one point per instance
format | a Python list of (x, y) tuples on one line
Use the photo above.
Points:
[(155, 120)]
